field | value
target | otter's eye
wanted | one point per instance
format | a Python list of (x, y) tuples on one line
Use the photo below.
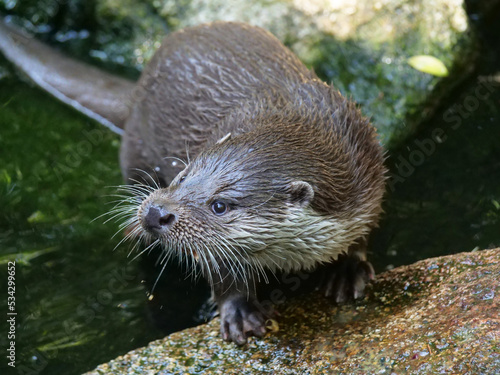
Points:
[(219, 208)]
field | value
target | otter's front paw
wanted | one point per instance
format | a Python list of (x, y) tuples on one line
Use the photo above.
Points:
[(347, 278), (241, 318)]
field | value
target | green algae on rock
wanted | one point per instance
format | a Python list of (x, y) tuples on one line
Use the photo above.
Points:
[(360, 46), (437, 315)]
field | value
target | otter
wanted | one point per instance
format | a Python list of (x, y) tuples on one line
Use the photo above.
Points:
[(254, 165), (285, 173)]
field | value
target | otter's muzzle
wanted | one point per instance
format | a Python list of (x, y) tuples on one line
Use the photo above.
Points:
[(158, 220)]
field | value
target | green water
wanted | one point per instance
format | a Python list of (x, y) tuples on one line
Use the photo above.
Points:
[(78, 303), (444, 191)]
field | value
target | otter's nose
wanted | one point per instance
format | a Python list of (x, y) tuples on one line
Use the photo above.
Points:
[(158, 219)]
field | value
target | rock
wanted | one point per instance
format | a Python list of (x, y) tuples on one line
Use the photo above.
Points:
[(439, 315), (361, 46)]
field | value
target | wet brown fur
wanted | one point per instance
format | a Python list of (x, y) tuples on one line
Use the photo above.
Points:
[(284, 127), (214, 79)]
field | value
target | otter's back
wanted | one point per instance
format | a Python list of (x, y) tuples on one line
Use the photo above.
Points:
[(194, 80)]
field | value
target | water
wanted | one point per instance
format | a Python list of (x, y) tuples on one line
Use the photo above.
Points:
[(444, 197), (78, 302)]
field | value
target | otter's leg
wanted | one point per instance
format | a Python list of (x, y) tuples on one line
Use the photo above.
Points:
[(347, 276), (241, 314)]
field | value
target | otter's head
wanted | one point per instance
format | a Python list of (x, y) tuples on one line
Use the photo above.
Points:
[(245, 204), (240, 205)]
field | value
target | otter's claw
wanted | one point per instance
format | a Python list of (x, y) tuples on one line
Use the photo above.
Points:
[(347, 278), (241, 318)]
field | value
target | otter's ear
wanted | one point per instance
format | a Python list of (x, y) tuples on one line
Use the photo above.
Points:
[(301, 193)]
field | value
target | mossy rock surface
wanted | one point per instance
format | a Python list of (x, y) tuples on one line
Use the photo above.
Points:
[(439, 315)]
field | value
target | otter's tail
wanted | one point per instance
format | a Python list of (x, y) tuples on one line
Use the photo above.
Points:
[(98, 95)]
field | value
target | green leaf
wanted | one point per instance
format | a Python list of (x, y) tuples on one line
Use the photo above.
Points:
[(496, 204), (428, 64), (36, 217)]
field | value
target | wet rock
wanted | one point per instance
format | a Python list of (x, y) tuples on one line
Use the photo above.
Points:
[(439, 315), (361, 46)]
